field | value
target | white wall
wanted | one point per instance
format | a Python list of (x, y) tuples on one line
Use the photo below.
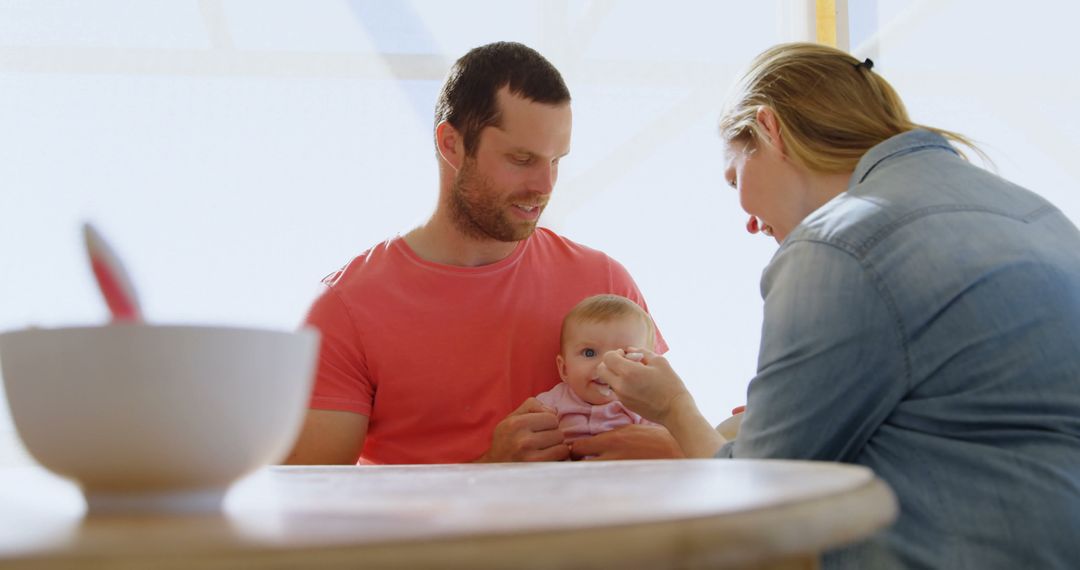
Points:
[(236, 151)]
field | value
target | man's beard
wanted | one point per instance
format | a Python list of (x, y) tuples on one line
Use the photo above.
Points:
[(479, 213)]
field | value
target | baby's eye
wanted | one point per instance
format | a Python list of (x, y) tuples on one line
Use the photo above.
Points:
[(588, 353)]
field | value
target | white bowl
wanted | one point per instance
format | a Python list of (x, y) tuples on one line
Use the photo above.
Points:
[(729, 428), (148, 417)]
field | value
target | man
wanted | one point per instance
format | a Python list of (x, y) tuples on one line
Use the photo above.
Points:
[(434, 343)]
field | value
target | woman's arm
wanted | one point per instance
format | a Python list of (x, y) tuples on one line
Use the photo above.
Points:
[(694, 433), (646, 383), (833, 363)]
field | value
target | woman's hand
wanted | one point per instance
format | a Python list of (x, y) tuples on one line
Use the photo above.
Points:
[(644, 382)]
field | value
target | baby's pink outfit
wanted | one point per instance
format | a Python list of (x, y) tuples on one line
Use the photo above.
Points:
[(578, 418)]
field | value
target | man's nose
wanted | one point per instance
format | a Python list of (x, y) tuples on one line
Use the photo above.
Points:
[(543, 179)]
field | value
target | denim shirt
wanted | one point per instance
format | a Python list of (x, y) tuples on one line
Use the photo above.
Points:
[(926, 324)]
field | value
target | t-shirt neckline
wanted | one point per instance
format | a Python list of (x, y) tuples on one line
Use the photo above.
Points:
[(403, 247)]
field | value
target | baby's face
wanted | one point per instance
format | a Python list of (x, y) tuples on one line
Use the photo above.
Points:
[(584, 348)]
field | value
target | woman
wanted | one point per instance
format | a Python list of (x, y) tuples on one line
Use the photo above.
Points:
[(922, 318)]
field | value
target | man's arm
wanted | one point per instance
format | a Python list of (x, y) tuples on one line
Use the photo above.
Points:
[(329, 438), (638, 441)]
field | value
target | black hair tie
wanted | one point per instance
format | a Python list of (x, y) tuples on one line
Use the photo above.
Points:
[(867, 63)]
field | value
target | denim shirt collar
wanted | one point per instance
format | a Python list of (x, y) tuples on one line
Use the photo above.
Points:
[(902, 143)]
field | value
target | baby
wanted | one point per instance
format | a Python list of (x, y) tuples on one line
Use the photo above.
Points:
[(585, 405)]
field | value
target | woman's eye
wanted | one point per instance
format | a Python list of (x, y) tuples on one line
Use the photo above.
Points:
[(522, 160), (588, 353)]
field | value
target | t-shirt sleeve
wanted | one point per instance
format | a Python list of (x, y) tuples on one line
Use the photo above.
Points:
[(623, 284), (342, 382), (832, 365)]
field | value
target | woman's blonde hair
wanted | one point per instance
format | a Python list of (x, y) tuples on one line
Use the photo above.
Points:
[(831, 108)]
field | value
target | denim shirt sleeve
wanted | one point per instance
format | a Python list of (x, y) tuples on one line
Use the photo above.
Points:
[(832, 364)]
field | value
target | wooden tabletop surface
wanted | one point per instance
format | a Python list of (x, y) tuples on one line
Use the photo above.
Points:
[(629, 514)]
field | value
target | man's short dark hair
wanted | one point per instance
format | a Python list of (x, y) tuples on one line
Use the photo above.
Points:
[(468, 97)]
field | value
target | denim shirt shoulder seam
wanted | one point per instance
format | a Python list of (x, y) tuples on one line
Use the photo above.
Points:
[(863, 248), (859, 256), (908, 148)]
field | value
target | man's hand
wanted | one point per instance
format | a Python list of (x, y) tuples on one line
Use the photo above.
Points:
[(529, 433), (629, 442)]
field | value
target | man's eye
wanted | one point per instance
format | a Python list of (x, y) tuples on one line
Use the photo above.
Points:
[(522, 160), (588, 353)]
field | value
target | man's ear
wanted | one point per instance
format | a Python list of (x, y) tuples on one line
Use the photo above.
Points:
[(450, 145), (560, 363), (770, 127)]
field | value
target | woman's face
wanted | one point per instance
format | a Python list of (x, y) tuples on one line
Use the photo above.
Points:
[(768, 184)]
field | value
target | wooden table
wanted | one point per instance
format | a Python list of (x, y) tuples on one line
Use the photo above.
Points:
[(630, 514)]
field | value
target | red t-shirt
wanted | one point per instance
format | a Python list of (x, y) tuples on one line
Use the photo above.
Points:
[(436, 355)]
